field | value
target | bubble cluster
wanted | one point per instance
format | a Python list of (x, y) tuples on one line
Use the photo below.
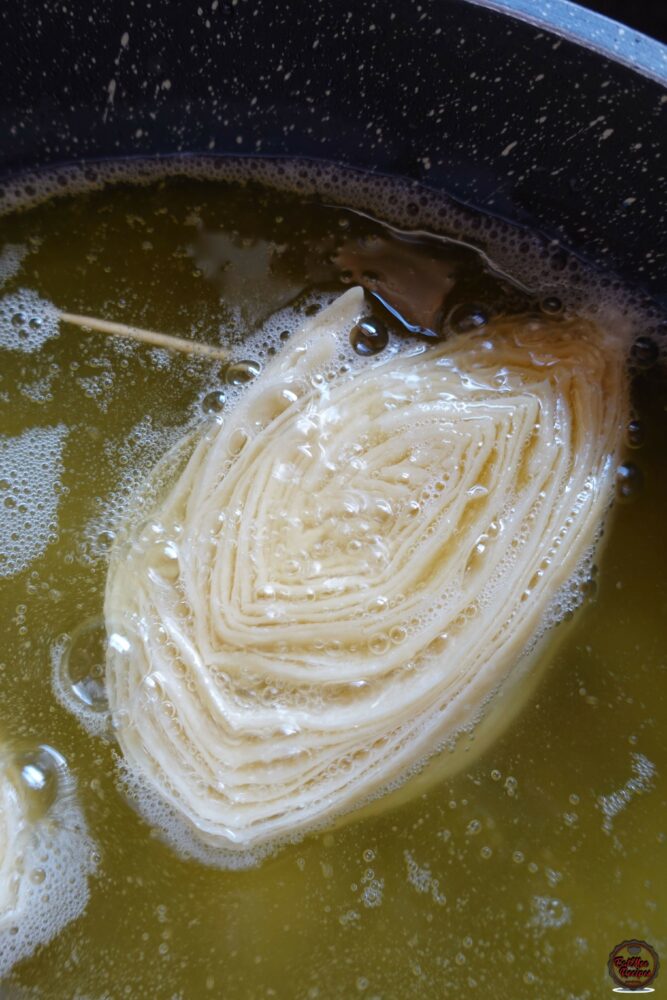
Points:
[(422, 880), (11, 258), (26, 321), (549, 912), (641, 782), (30, 469), (141, 449)]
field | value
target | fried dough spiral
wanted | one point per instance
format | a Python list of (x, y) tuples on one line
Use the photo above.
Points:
[(351, 562), (46, 855)]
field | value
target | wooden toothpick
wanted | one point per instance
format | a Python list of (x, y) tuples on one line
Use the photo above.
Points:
[(163, 340)]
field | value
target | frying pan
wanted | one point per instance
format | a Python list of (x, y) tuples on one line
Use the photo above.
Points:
[(537, 111)]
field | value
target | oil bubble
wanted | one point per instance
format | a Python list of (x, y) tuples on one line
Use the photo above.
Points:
[(83, 665), (369, 336), (629, 482), (241, 372), (551, 305), (104, 540), (39, 773), (645, 352), (213, 402), (635, 433), (511, 785), (468, 316), (379, 644)]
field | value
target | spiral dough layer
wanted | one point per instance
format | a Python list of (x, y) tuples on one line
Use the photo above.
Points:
[(351, 562), (46, 855)]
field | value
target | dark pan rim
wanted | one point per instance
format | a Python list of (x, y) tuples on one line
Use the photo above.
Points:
[(591, 30)]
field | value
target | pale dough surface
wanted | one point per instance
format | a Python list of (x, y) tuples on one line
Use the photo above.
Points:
[(351, 562)]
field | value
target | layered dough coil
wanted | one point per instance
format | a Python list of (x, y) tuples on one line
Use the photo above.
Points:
[(14, 837), (46, 855), (351, 562)]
